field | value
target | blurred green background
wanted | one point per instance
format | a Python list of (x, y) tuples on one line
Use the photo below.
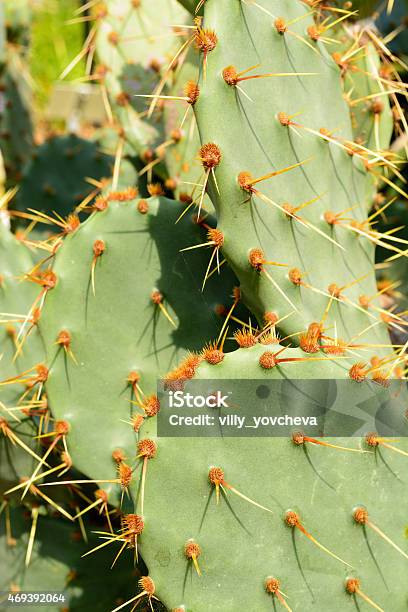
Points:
[(54, 44)]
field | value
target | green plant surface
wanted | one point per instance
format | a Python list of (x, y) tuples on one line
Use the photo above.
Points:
[(251, 136), (191, 6), (134, 42), (241, 544), (16, 128), (371, 115), (108, 141), (55, 179), (120, 329), (394, 21), (275, 143), (182, 162), (57, 565), (16, 298), (16, 462)]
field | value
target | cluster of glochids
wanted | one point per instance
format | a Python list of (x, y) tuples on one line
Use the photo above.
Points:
[(94, 311)]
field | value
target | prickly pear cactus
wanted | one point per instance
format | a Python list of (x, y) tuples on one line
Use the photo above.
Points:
[(16, 130), (109, 141), (262, 152), (255, 111), (364, 89), (183, 164), (134, 40), (16, 461), (243, 542), (391, 21), (135, 308), (21, 345), (56, 565), (57, 178), (21, 348), (277, 191)]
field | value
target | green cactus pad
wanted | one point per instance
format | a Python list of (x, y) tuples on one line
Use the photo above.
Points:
[(241, 545), (251, 136), (16, 298), (55, 178), (371, 115), (181, 158), (120, 329), (56, 565), (135, 40), (16, 462)]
